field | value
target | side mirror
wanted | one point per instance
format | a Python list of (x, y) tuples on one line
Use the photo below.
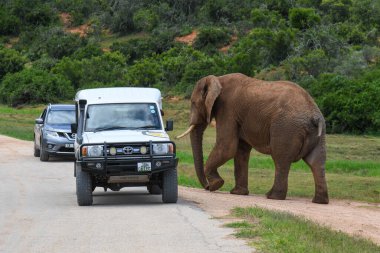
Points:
[(39, 121), (169, 125), (74, 128)]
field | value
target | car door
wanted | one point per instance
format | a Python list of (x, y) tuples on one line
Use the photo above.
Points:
[(38, 128)]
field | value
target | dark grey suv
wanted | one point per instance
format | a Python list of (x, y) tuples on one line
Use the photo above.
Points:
[(52, 132)]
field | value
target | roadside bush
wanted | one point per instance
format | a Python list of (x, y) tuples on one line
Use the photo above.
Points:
[(32, 86), (349, 105), (10, 61), (107, 69)]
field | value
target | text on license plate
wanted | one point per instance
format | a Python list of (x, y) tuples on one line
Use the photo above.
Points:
[(144, 166), (69, 145)]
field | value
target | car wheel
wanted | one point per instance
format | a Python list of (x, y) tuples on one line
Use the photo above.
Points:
[(36, 150), (44, 156), (170, 186), (154, 189), (83, 187)]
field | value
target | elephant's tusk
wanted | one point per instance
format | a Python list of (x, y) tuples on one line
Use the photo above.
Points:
[(186, 133)]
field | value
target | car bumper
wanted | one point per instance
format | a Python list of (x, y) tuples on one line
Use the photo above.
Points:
[(59, 146), (121, 167)]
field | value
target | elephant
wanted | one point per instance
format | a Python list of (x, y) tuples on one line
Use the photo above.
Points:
[(277, 118)]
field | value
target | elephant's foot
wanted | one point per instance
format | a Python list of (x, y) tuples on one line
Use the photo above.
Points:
[(239, 190), (321, 198), (273, 194), (215, 183)]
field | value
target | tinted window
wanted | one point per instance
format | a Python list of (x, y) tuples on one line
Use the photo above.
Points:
[(60, 117), (123, 116)]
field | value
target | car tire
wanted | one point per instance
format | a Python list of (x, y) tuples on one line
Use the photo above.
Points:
[(154, 189), (83, 187), (36, 150), (44, 156), (170, 186)]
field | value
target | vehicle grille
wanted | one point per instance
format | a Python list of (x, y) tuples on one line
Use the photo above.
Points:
[(128, 150)]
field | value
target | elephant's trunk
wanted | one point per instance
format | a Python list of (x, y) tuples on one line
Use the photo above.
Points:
[(196, 137)]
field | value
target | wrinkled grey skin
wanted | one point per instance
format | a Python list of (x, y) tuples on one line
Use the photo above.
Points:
[(275, 118)]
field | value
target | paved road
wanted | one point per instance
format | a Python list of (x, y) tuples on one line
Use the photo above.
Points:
[(38, 213)]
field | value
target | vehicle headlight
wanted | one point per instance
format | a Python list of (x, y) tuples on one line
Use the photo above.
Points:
[(92, 151), (51, 133), (162, 148)]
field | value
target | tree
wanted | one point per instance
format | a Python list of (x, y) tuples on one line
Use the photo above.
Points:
[(31, 86), (10, 61)]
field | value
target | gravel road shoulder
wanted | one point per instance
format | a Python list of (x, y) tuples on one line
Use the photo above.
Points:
[(354, 218)]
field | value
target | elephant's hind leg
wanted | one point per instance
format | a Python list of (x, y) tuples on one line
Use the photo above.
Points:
[(241, 169), (316, 160), (280, 185)]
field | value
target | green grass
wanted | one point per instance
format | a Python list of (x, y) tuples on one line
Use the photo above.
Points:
[(19, 123), (271, 231), (352, 169), (108, 39)]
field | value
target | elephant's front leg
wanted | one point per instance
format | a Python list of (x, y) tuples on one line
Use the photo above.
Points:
[(241, 161), (221, 153)]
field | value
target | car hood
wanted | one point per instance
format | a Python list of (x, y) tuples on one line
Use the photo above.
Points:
[(63, 128), (124, 136)]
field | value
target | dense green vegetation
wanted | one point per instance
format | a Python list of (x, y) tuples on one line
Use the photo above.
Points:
[(331, 48), (273, 231)]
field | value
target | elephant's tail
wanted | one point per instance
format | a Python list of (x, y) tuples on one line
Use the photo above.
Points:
[(318, 122)]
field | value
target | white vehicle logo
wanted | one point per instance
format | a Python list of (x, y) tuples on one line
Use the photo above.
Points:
[(128, 150)]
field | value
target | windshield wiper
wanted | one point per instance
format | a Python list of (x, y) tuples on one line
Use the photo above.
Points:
[(148, 126), (121, 128), (110, 128)]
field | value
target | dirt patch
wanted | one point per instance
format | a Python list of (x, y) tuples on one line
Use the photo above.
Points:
[(188, 39), (227, 47), (66, 19), (354, 218)]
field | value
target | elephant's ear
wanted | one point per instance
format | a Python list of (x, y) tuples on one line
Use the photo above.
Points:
[(212, 91)]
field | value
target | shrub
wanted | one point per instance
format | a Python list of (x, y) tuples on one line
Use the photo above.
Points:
[(52, 41), (211, 37), (349, 105), (107, 69), (9, 24), (34, 86), (313, 64), (145, 20), (135, 49), (259, 49), (266, 18), (10, 61), (303, 18)]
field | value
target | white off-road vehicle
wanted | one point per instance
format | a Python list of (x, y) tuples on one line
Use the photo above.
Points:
[(121, 142)]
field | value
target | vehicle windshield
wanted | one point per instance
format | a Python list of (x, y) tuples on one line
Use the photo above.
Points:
[(103, 117), (61, 117)]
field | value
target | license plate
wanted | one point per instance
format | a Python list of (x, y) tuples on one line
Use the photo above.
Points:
[(142, 167), (69, 145)]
